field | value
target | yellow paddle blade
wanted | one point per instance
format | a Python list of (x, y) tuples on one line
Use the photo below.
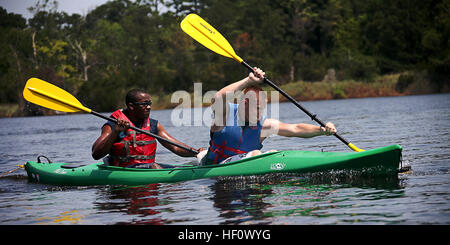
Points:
[(354, 148), (50, 96), (208, 36)]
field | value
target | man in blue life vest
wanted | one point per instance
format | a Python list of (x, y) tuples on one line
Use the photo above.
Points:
[(128, 148), (238, 130)]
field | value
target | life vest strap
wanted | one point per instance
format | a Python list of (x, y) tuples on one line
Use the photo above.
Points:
[(140, 142), (227, 148), (132, 157), (220, 149)]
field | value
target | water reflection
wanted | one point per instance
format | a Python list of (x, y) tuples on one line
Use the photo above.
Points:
[(140, 200), (67, 217), (264, 200), (240, 201), (255, 200)]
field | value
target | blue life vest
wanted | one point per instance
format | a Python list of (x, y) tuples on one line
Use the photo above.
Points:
[(235, 138)]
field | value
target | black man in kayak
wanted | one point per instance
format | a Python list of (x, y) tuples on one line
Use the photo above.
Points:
[(238, 130), (128, 148)]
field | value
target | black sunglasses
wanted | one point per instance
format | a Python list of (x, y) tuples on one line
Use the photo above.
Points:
[(145, 103)]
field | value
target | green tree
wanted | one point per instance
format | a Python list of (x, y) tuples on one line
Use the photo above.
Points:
[(124, 44), (15, 57)]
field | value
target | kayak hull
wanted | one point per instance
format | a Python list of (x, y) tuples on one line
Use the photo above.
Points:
[(385, 160)]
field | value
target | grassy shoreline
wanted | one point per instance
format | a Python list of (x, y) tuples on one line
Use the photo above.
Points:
[(382, 86), (8, 110)]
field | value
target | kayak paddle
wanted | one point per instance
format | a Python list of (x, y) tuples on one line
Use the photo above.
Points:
[(208, 36), (50, 96)]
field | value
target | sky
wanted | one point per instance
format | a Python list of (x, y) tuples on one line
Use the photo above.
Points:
[(81, 7)]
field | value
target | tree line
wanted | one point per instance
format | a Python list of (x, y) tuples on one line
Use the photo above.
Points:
[(124, 44)]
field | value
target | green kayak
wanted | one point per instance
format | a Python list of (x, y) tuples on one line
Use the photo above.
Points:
[(384, 159)]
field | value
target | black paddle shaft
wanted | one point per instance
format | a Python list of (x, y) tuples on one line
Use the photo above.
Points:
[(146, 132), (313, 116)]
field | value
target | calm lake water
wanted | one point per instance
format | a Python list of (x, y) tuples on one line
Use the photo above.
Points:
[(420, 124)]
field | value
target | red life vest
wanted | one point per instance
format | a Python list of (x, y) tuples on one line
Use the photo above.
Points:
[(134, 148)]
